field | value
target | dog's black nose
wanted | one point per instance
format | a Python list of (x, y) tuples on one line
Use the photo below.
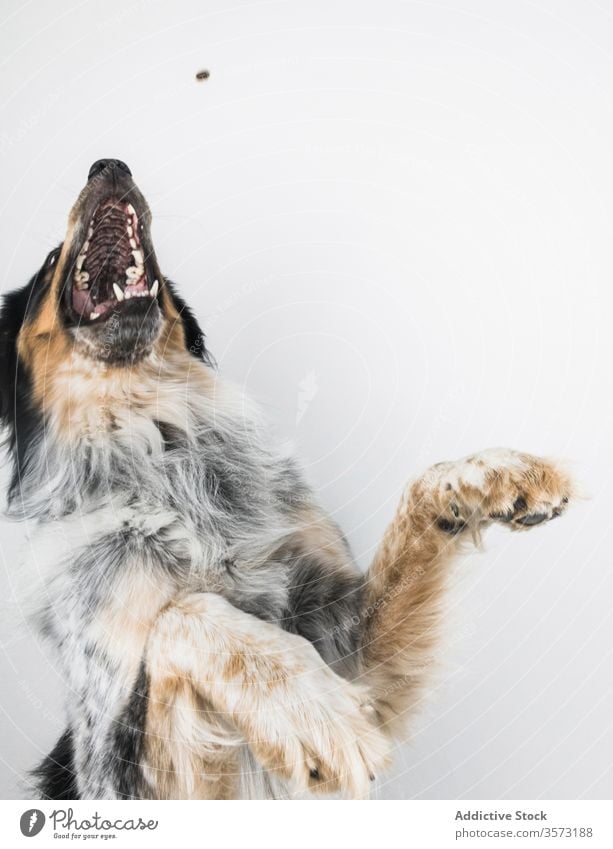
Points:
[(108, 165)]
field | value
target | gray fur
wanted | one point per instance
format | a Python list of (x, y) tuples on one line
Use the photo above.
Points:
[(214, 507)]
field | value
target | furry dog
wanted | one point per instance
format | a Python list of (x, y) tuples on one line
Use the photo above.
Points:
[(215, 637)]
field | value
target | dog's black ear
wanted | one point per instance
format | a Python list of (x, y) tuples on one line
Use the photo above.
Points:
[(16, 306), (12, 314), (194, 336)]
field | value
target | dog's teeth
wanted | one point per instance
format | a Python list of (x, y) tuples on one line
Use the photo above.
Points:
[(82, 256), (93, 315), (118, 292), (131, 209), (130, 230), (90, 232), (127, 294), (133, 271), (133, 244), (138, 257), (154, 289)]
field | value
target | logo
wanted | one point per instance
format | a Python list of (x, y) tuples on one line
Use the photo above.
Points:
[(32, 822), (307, 390)]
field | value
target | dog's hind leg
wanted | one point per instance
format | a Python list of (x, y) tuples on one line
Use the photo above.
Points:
[(209, 663), (406, 584)]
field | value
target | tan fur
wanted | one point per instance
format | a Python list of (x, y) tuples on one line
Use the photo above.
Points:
[(84, 398), (408, 578), (302, 721), (180, 765), (122, 628)]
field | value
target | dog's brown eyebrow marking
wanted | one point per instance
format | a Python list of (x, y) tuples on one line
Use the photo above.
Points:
[(203, 75)]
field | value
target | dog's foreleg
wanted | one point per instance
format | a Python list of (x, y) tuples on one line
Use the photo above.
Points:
[(406, 584), (302, 721)]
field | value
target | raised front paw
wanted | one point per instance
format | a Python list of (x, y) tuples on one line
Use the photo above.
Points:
[(501, 485)]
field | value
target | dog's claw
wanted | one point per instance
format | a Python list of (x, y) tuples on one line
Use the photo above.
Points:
[(515, 489), (533, 519)]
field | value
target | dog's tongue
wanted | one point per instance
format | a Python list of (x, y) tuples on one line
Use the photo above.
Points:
[(81, 302)]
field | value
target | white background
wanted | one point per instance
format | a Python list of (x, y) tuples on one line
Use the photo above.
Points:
[(394, 221)]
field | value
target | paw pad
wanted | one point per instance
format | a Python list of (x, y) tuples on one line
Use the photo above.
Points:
[(516, 489), (450, 527)]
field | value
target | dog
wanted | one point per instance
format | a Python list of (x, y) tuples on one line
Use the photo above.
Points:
[(215, 637)]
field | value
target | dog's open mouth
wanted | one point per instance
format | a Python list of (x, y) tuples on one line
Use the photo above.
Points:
[(110, 270)]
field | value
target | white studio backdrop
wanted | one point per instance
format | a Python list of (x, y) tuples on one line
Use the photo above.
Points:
[(394, 222)]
